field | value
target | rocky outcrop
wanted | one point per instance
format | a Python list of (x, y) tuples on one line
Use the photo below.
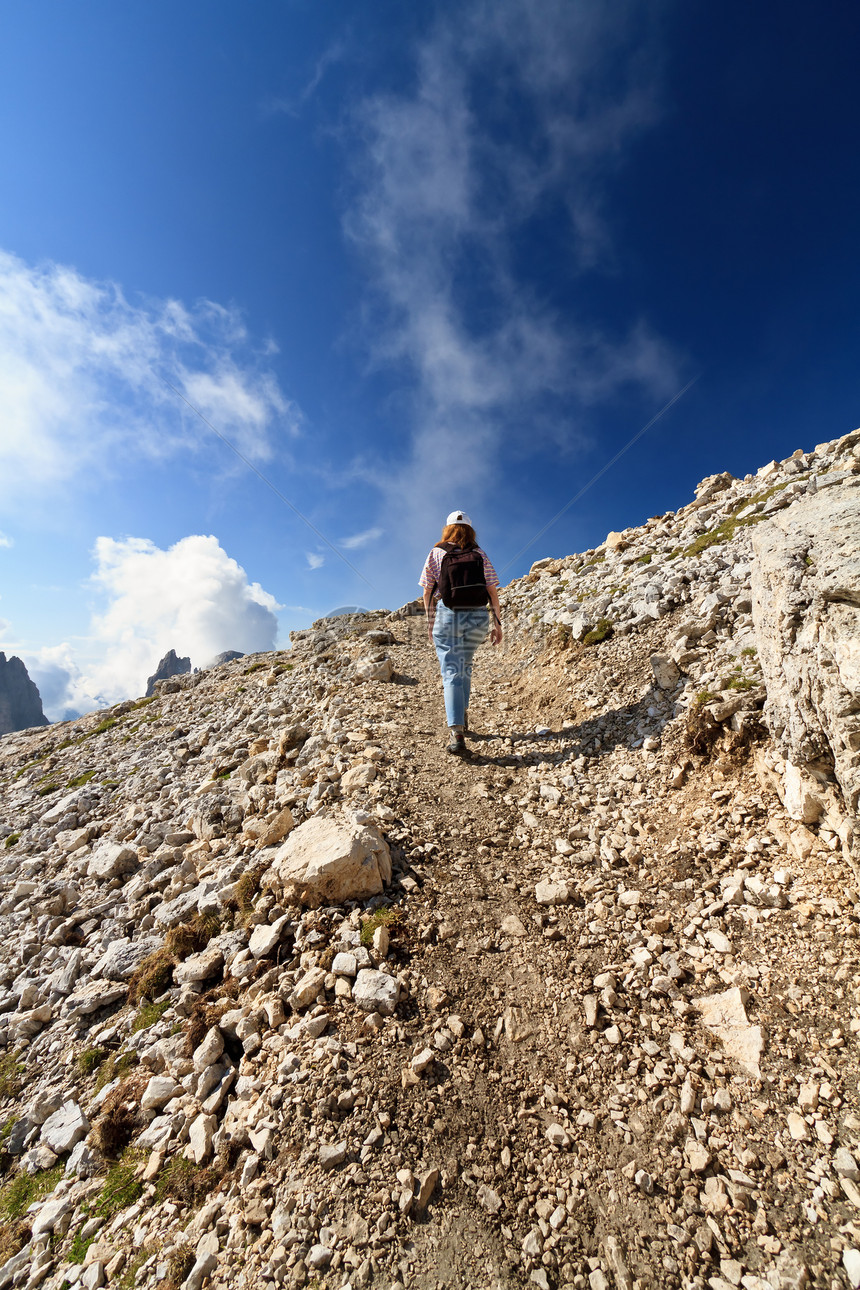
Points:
[(170, 665), (226, 656), (20, 701), (806, 611)]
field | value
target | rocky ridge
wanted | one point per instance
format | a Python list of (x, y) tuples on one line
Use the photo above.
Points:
[(20, 701), (170, 665), (288, 997)]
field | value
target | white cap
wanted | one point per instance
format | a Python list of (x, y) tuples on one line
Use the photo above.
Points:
[(458, 517)]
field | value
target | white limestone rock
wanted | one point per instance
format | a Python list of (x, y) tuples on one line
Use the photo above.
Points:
[(123, 957), (332, 860), (725, 1016), (65, 1128), (360, 776), (370, 670), (200, 1134), (159, 1091), (266, 936), (806, 612), (199, 967), (209, 1050), (111, 860), (667, 674), (376, 992)]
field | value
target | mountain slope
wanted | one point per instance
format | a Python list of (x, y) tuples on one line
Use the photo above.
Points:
[(599, 1028)]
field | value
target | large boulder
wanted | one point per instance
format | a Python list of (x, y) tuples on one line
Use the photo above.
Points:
[(806, 612), (330, 860)]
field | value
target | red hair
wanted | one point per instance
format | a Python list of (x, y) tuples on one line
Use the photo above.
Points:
[(461, 535)]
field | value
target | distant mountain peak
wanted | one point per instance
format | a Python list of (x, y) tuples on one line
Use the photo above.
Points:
[(20, 701), (170, 665)]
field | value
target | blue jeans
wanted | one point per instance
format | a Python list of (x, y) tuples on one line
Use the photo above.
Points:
[(457, 633)]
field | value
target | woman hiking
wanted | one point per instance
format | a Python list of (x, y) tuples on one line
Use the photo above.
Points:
[(459, 620)]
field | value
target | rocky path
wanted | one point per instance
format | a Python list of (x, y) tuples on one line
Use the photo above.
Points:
[(593, 1106)]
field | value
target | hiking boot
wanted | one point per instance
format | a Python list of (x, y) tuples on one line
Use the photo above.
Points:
[(457, 744)]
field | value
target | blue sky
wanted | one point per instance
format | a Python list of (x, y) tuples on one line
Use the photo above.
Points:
[(405, 259)]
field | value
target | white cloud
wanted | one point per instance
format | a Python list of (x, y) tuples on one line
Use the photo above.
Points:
[(192, 598), (5, 541), (83, 371), (315, 560), (64, 690), (519, 110), (360, 539)]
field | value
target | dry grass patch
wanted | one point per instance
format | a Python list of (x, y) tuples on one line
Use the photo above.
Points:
[(193, 936), (153, 976), (120, 1119), (186, 1183), (13, 1237)]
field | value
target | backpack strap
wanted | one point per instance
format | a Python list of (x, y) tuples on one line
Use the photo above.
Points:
[(447, 547)]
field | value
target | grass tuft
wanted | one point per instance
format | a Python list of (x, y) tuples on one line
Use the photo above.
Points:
[(12, 839), (128, 1280), (385, 916), (247, 888), (11, 1072), (91, 1059), (179, 1264), (601, 632), (120, 1119), (152, 977), (80, 780), (115, 1067), (149, 1014), (13, 1237), (121, 1189), (193, 936), (17, 1195), (78, 1249), (183, 1181)]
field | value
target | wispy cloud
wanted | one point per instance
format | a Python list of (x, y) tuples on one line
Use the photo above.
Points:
[(519, 110), (315, 561), (292, 104), (360, 539), (81, 377), (5, 540)]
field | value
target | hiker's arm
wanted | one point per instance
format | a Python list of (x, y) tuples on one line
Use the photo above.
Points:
[(428, 609), (496, 631)]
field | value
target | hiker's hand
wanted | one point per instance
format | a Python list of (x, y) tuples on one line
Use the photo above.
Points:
[(496, 634), (430, 627)]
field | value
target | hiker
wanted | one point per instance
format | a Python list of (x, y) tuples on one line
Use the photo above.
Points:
[(458, 621)]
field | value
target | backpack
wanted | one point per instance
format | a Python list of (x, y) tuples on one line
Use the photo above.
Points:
[(462, 584)]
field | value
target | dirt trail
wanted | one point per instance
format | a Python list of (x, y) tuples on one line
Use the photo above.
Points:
[(564, 1157)]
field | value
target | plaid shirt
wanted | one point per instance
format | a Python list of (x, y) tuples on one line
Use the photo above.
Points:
[(433, 564)]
